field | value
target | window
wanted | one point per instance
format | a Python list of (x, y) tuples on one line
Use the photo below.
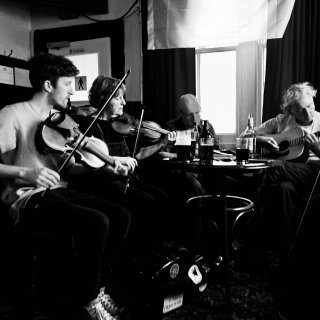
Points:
[(230, 83), (217, 88)]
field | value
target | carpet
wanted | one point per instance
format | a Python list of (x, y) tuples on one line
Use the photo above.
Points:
[(254, 292)]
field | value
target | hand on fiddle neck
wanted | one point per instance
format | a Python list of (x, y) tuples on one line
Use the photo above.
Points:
[(169, 138), (159, 147)]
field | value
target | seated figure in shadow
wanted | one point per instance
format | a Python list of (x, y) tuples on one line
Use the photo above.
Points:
[(182, 185), (148, 203)]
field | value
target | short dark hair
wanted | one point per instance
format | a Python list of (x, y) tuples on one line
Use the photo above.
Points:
[(47, 66), (101, 89)]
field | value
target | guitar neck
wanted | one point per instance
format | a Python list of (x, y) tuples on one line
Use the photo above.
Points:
[(301, 139)]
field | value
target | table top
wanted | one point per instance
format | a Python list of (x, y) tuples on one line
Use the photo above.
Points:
[(220, 164)]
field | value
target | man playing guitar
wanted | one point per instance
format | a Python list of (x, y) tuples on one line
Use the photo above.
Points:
[(284, 136), (285, 190)]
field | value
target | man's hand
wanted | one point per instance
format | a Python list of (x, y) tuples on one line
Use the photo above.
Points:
[(41, 176), (313, 143), (268, 142)]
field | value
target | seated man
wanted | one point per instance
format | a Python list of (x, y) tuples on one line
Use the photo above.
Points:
[(189, 111), (183, 185), (298, 115), (27, 172), (291, 182), (285, 189)]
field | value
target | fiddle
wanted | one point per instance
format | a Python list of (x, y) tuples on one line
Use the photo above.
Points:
[(130, 126), (61, 133)]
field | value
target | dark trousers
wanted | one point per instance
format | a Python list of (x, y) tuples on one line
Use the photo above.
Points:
[(98, 229), (300, 275), (282, 197), (148, 204)]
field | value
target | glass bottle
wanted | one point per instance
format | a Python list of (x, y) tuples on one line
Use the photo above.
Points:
[(251, 134), (195, 143), (206, 143)]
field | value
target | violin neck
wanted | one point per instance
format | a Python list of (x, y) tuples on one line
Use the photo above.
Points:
[(159, 130)]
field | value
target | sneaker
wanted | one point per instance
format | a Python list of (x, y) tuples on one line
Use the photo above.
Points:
[(282, 317), (98, 312), (109, 304)]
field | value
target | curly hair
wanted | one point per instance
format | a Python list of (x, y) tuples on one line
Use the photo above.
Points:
[(294, 93), (102, 87), (47, 66)]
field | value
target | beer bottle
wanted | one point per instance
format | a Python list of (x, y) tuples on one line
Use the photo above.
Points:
[(206, 143), (251, 134)]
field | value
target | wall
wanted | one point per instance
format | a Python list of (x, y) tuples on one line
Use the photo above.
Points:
[(15, 29), (18, 21), (42, 18)]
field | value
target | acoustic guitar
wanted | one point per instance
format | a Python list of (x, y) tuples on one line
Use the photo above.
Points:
[(291, 146)]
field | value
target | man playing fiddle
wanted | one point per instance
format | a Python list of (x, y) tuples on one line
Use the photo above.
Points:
[(27, 172)]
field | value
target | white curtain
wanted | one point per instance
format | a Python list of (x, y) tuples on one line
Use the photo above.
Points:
[(213, 23)]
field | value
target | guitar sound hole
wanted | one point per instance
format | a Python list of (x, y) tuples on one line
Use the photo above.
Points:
[(283, 146)]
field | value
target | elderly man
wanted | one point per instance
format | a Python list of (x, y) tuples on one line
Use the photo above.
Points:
[(189, 111), (183, 185), (283, 198), (291, 182)]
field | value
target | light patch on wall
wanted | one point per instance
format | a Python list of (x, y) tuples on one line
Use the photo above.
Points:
[(88, 65)]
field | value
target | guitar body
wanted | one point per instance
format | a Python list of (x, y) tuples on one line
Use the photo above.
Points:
[(291, 146)]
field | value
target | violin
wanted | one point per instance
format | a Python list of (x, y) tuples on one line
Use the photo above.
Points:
[(130, 126), (60, 133)]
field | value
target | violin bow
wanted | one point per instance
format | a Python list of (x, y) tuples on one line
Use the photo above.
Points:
[(86, 133), (135, 146)]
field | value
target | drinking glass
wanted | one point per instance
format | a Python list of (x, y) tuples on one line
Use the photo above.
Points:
[(183, 152), (242, 150)]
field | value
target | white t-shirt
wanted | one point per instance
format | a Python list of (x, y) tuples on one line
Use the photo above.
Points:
[(18, 126)]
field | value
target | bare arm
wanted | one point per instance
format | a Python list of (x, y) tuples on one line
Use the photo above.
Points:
[(39, 177)]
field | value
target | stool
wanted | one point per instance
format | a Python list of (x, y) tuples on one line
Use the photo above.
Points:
[(210, 206)]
